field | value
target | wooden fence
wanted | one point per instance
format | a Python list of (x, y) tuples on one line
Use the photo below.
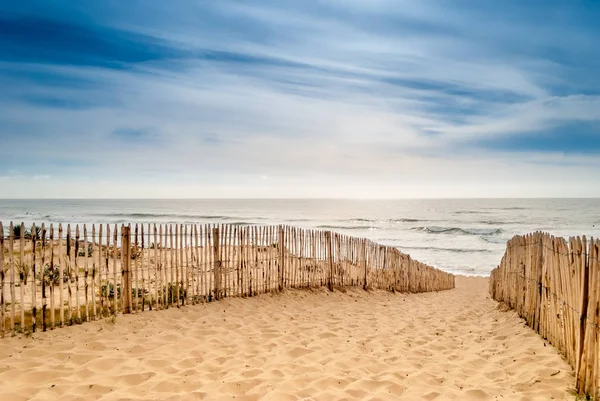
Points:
[(555, 286), (67, 275)]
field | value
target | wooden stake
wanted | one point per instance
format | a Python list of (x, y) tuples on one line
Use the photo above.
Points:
[(126, 262), (364, 246), (61, 263), (142, 268), (217, 265), (42, 275), (52, 317), (157, 262), (196, 272), (69, 275), (34, 234), (115, 288), (22, 274), (135, 275), (202, 293), (180, 285), (330, 257), (188, 249), (86, 273), (77, 275), (173, 283), (100, 264), (94, 270), (281, 264)]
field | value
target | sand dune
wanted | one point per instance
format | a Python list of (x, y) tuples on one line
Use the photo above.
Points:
[(298, 345)]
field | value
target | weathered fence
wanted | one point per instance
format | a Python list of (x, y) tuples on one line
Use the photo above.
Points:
[(68, 275), (555, 287)]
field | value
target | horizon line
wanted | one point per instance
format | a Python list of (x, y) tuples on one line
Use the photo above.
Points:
[(306, 198)]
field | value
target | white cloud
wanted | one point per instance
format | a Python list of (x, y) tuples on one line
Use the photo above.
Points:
[(322, 98)]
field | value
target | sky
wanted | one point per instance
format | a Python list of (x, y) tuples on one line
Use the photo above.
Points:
[(277, 98)]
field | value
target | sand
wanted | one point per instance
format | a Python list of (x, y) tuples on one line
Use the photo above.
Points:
[(451, 345)]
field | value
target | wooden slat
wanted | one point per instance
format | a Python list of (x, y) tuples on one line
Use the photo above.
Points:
[(179, 262), (179, 265), (160, 268), (172, 283), (61, 266), (240, 262), (76, 271), (68, 270), (42, 275), (196, 268), (216, 260), (114, 267), (144, 267), (188, 249), (164, 267), (253, 260), (86, 273), (94, 274), (157, 276), (127, 276), (201, 263), (100, 264), (207, 269), (51, 278), (34, 235), (135, 269), (233, 273), (22, 274)]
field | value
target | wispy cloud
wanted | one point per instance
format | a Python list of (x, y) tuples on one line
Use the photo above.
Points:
[(302, 92)]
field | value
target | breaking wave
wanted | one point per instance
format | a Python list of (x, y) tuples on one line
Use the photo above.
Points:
[(459, 230)]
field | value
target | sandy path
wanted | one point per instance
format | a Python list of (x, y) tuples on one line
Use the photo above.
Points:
[(315, 345)]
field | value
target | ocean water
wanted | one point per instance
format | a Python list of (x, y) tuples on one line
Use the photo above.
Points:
[(465, 236)]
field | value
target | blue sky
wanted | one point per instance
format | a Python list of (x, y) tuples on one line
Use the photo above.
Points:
[(431, 98)]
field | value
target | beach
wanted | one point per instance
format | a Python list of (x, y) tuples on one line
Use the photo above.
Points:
[(300, 344), (300, 200)]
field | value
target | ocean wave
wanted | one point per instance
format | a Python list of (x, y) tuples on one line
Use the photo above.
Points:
[(494, 240), (335, 227), (167, 216), (458, 230), (406, 220), (456, 250), (494, 222), (375, 221)]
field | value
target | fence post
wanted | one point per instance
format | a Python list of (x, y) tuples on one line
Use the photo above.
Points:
[(364, 249), (330, 255), (34, 236), (126, 247), (217, 266), (582, 264), (281, 243), (538, 293)]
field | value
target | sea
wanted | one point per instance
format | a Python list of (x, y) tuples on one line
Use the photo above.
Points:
[(463, 236)]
